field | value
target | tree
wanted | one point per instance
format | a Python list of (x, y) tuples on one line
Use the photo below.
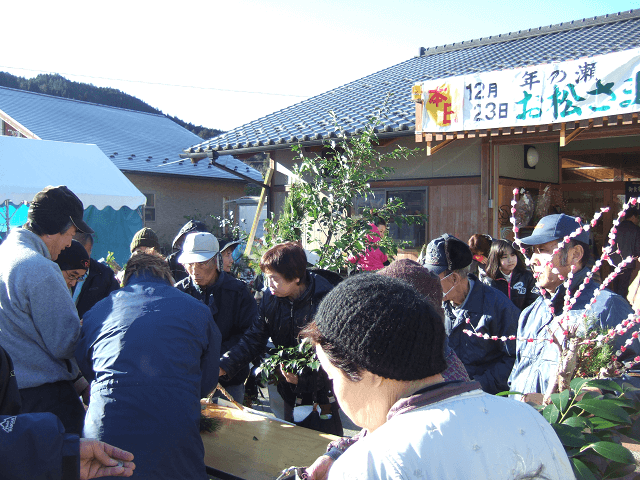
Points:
[(319, 207)]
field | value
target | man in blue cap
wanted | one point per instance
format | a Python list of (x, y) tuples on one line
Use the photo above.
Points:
[(487, 310), (537, 362)]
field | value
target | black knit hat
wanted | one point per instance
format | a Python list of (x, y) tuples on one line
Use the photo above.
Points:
[(447, 253), (383, 325), (74, 257), (145, 237), (53, 207)]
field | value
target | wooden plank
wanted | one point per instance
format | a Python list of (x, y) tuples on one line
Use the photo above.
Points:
[(431, 150), (256, 219), (468, 203), (254, 447), (485, 183), (435, 211), (425, 182), (419, 107)]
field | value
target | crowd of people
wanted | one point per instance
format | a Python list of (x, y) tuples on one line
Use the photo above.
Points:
[(95, 370)]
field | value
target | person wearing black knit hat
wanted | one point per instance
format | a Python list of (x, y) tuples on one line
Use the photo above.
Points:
[(469, 304), (381, 342), (74, 263)]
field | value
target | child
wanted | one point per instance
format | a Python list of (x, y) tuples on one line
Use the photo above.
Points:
[(507, 273), (480, 246)]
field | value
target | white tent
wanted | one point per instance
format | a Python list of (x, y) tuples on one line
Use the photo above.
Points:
[(27, 166)]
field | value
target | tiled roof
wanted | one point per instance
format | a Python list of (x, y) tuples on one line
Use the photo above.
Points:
[(309, 121), (134, 141)]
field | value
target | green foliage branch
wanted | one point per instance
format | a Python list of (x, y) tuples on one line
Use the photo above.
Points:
[(589, 423), (293, 360), (320, 202)]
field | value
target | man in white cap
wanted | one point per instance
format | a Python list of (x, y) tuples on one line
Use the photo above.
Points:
[(39, 324), (232, 306)]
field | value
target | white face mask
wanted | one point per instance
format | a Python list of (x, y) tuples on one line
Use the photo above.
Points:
[(454, 286)]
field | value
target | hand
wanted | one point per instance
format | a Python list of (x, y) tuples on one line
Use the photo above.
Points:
[(289, 377), (535, 398), (320, 468), (99, 459), (86, 395), (222, 373)]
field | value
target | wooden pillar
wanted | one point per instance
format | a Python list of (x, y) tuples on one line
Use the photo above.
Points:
[(494, 229), (485, 186)]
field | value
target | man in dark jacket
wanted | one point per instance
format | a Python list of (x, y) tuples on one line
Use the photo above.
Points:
[(99, 282), (152, 352), (628, 243), (288, 305), (232, 306), (177, 269), (471, 305)]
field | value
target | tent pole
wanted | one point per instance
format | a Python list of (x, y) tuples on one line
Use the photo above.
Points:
[(6, 215)]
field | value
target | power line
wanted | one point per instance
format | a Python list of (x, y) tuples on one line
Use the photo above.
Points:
[(162, 84)]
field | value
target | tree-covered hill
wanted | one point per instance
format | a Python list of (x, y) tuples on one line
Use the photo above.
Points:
[(59, 86)]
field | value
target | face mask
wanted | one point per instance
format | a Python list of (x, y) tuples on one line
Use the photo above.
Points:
[(454, 286)]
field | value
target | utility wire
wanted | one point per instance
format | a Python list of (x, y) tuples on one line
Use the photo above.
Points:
[(162, 84)]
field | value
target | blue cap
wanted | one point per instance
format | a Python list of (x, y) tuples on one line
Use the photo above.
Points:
[(446, 253), (554, 228)]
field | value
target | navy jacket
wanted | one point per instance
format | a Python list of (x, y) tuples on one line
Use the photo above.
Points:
[(490, 311), (234, 310), (151, 353), (521, 289), (35, 446), (100, 282), (537, 362), (282, 320)]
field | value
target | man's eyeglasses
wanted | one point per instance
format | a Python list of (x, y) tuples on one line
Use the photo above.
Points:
[(75, 278)]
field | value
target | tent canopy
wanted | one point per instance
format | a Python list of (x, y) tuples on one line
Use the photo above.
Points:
[(27, 166)]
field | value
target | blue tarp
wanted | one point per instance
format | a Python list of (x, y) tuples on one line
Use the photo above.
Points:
[(113, 229)]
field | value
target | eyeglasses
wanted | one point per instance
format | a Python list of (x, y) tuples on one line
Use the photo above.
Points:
[(75, 278)]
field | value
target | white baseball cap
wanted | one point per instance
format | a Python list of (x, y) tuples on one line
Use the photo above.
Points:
[(198, 247)]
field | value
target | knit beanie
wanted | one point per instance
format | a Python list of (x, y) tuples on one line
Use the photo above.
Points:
[(383, 325), (145, 238), (425, 282), (74, 257)]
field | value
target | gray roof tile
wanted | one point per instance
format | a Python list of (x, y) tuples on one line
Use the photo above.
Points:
[(310, 121), (134, 141)]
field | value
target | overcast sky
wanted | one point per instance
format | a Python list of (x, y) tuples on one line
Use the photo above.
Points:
[(240, 60)]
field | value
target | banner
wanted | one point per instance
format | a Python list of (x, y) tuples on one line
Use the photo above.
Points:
[(557, 92)]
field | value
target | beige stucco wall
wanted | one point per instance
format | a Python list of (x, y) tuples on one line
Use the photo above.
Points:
[(458, 159), (511, 159), (177, 197)]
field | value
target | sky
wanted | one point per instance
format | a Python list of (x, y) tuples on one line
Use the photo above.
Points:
[(221, 64)]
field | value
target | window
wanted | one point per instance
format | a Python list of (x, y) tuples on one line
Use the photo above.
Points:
[(150, 208), (414, 203)]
